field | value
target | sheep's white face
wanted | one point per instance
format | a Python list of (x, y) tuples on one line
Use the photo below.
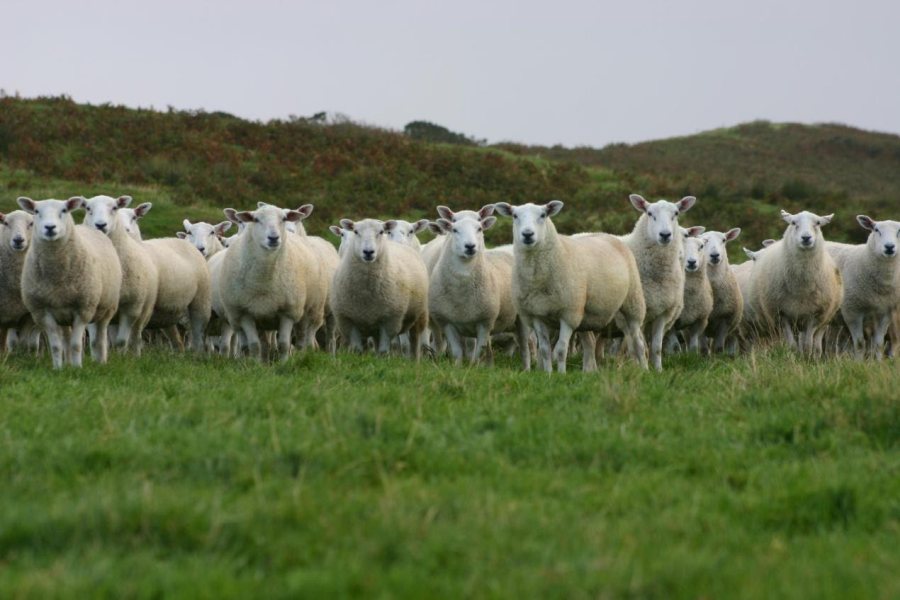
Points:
[(265, 226), (694, 256), (367, 237), (101, 212), (885, 236), (405, 232), (344, 235), (129, 217), (205, 237), (52, 218), (715, 244), (529, 221), (16, 229), (804, 228), (662, 216), (467, 235)]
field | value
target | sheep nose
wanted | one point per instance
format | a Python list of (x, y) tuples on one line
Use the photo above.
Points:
[(273, 239), (889, 248), (806, 238), (49, 228), (368, 254), (100, 226), (692, 263), (202, 249), (665, 237), (715, 257), (528, 236), (470, 248)]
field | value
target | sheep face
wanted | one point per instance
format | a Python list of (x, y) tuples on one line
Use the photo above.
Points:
[(52, 218), (715, 244), (129, 217), (101, 212), (265, 226), (18, 225), (203, 235), (884, 237), (529, 221), (344, 234), (694, 256), (662, 216), (404, 231), (804, 228), (368, 237), (467, 235)]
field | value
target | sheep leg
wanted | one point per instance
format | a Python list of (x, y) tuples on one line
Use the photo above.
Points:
[(878, 335), (174, 337), (404, 343), (384, 340), (330, 334), (356, 341), (523, 335), (483, 337), (76, 342), (721, 334), (248, 325), (588, 342), (285, 330), (732, 345), (788, 332), (226, 334), (561, 351), (99, 337), (695, 332), (673, 345), (855, 325), (415, 341), (123, 332), (451, 335), (542, 335), (55, 340), (658, 330)]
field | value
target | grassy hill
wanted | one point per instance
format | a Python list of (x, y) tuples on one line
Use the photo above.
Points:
[(193, 163)]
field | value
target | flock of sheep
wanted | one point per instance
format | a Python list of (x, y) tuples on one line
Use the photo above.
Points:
[(272, 286)]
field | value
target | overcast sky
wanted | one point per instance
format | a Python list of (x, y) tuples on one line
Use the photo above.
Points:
[(576, 73)]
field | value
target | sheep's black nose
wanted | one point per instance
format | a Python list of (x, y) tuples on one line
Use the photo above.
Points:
[(665, 236), (470, 248), (49, 228), (368, 254), (715, 258), (528, 236), (889, 248), (692, 263), (807, 239), (100, 226)]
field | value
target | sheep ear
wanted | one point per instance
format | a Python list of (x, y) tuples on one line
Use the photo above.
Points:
[(261, 204), (732, 234), (445, 213), (750, 253), (695, 231), (293, 216), (245, 216), (230, 215), (826, 219), (419, 226), (75, 202), (786, 216), (181, 235), (123, 201), (503, 209), (638, 202), (26, 204), (142, 209), (553, 207), (347, 224), (865, 222), (305, 210), (187, 225), (445, 225), (488, 222), (768, 242), (336, 230), (222, 227), (2, 218), (434, 228), (686, 203), (389, 225), (486, 211)]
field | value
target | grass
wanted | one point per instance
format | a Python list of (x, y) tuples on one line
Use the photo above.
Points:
[(757, 477)]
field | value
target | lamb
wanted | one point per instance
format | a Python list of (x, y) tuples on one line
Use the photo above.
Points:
[(698, 295), (871, 274), (659, 258), (205, 237), (405, 233), (728, 303), (184, 286), (70, 280), (380, 288), (269, 280), (470, 290), (15, 237), (796, 282), (572, 284), (432, 250), (140, 278)]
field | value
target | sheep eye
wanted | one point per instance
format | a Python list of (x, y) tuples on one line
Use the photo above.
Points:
[(515, 216), (454, 230), (676, 213), (480, 229), (543, 215), (64, 211)]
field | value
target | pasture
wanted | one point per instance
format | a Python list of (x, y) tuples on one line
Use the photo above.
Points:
[(762, 476)]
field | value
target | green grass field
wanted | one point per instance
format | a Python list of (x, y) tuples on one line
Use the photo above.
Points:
[(765, 476)]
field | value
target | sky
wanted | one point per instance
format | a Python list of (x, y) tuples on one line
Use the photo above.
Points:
[(573, 73)]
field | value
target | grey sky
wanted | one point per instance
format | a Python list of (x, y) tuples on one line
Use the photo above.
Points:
[(539, 72)]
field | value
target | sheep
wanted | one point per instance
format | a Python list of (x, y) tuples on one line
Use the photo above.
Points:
[(470, 290), (432, 250), (796, 282), (184, 285), (871, 283), (205, 237), (698, 295), (659, 253), (405, 233), (71, 280), (15, 237), (572, 284), (380, 289), (269, 280), (728, 303), (140, 277)]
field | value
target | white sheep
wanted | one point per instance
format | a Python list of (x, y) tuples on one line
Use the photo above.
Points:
[(728, 303), (659, 254), (206, 238), (184, 293), (15, 238), (140, 277), (70, 280), (698, 295), (269, 281), (405, 232), (572, 284), (380, 289), (470, 290), (871, 274), (796, 283), (431, 251)]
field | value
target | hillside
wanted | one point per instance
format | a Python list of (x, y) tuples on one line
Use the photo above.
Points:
[(192, 163)]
